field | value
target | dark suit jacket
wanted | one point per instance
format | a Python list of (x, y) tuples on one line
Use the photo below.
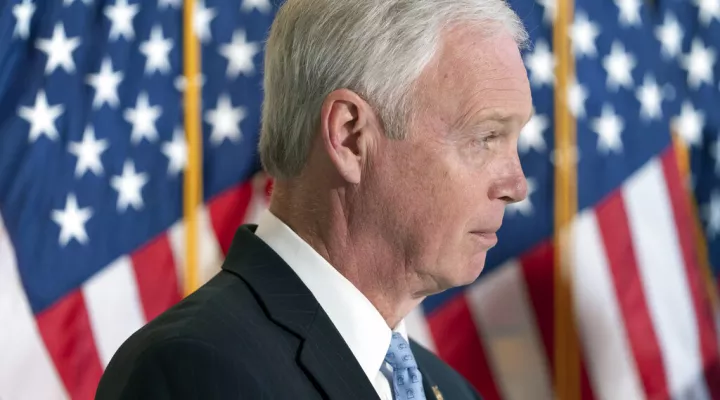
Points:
[(254, 331)]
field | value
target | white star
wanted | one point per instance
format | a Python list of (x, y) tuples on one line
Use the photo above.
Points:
[(670, 35), (225, 121), (23, 13), (143, 118), (629, 12), (157, 51), (88, 153), (550, 7), (72, 221), (709, 10), (619, 65), (129, 186), (532, 134), (59, 49), (163, 4), (689, 124), (176, 152), (41, 117), (541, 63), (121, 16), (583, 33), (577, 96), (106, 83), (712, 214), (716, 155), (699, 64), (609, 127), (261, 5), (181, 83), (650, 97), (239, 54), (524, 207), (201, 21)]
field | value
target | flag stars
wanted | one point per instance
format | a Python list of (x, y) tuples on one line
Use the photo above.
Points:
[(129, 186), (670, 35), (532, 134), (584, 33), (629, 12), (261, 5), (41, 117), (541, 63), (23, 14), (225, 120), (143, 118), (88, 152), (72, 220), (619, 66), (708, 10), (525, 207), (699, 64), (157, 51), (577, 96), (689, 124), (59, 49), (106, 83), (650, 97), (239, 54), (712, 214), (121, 17), (176, 152), (202, 18), (550, 7), (609, 127)]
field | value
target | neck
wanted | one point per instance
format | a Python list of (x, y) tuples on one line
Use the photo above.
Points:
[(353, 247)]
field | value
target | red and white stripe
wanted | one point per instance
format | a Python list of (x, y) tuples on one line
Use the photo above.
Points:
[(68, 345)]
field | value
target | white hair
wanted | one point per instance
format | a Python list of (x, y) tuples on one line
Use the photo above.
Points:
[(376, 48)]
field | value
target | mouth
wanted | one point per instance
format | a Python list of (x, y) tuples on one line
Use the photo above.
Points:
[(486, 239)]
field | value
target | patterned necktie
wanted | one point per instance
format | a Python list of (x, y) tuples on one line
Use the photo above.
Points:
[(407, 380)]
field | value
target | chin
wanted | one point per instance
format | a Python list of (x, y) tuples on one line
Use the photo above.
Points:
[(463, 273)]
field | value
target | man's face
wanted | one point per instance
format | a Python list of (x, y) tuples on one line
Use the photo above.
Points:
[(445, 188)]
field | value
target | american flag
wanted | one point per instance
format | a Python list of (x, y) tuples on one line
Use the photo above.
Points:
[(92, 154)]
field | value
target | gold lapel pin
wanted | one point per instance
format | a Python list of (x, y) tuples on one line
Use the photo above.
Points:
[(438, 395)]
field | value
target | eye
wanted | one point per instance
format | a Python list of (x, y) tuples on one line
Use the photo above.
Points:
[(486, 139)]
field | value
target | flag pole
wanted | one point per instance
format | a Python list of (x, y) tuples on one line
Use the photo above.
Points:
[(567, 358), (192, 188), (682, 153)]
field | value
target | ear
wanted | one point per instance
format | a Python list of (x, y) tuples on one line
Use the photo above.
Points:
[(347, 132)]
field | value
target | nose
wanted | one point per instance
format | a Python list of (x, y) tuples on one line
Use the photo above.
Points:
[(511, 185)]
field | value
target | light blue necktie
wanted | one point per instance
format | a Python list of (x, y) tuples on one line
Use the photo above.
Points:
[(407, 380)]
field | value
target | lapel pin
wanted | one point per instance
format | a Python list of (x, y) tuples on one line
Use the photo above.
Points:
[(437, 393)]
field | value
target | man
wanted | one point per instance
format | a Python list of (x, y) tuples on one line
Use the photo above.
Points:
[(391, 128)]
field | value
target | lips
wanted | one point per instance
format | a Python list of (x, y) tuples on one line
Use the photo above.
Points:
[(487, 239)]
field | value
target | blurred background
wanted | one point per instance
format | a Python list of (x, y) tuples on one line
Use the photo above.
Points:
[(128, 134)]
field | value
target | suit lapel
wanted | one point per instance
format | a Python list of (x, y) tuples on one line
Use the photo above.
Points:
[(430, 387), (324, 355)]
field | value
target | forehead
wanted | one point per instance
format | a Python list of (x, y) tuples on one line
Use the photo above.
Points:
[(477, 73)]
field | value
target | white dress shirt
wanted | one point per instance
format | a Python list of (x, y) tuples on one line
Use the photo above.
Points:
[(358, 321)]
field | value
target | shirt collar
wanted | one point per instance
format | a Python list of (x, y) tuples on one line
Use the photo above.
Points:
[(356, 319)]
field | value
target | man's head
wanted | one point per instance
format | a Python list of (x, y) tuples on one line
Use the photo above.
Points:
[(398, 120)]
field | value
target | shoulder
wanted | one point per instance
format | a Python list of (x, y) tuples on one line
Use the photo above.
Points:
[(448, 380), (190, 345)]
